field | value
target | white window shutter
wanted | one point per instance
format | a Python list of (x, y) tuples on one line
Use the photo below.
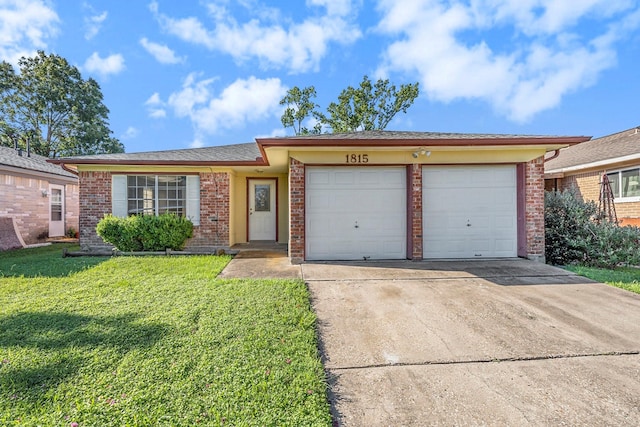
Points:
[(193, 199), (119, 195)]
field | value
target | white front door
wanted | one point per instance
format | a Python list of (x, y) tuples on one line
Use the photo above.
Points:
[(56, 210), (356, 213), (262, 209), (469, 211)]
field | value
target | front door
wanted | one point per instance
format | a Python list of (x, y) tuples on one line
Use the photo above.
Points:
[(56, 210), (262, 209)]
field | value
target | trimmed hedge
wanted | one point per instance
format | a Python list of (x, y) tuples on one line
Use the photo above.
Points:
[(145, 232), (575, 233)]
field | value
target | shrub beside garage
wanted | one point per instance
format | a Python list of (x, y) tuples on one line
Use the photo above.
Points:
[(576, 233)]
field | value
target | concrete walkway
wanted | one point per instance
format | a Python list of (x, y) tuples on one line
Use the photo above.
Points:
[(261, 262)]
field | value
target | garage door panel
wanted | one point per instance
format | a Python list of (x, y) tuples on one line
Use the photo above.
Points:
[(469, 211), (317, 178), (365, 206)]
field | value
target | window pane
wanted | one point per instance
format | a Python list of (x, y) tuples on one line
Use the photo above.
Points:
[(171, 194), (630, 183), (614, 180), (262, 198), (142, 196)]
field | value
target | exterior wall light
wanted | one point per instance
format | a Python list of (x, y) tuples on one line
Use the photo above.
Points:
[(421, 152)]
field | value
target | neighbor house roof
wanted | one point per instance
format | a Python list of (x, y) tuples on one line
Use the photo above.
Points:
[(16, 160), (617, 148)]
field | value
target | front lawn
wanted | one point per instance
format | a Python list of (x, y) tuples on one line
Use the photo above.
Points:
[(625, 278), (146, 341)]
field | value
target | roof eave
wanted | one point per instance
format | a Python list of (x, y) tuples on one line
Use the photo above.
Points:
[(593, 165), (71, 162), (409, 142)]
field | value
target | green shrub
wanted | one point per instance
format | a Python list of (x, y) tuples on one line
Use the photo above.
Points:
[(576, 234), (145, 232)]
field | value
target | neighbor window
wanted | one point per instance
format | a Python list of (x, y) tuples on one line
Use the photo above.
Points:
[(625, 183), (156, 194)]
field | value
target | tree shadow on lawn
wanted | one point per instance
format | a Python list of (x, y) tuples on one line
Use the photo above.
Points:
[(44, 262), (63, 338)]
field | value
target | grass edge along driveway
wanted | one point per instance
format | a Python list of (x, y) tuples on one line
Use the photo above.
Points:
[(627, 278), (146, 341)]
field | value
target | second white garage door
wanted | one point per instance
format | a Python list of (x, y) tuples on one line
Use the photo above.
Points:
[(355, 213), (469, 211)]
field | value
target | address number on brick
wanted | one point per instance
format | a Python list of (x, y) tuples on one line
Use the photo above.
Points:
[(357, 158)]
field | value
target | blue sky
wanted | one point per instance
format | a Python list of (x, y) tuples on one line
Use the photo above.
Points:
[(179, 74)]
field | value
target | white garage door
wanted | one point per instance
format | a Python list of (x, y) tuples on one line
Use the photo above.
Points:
[(355, 213), (469, 211)]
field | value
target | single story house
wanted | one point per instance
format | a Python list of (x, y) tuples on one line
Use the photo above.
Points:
[(42, 198), (353, 196), (582, 167)]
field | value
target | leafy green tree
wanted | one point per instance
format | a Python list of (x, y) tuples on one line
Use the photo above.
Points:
[(299, 108), (371, 106), (49, 104)]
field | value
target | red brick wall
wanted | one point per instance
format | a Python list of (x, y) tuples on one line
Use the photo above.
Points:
[(95, 203), (415, 220), (213, 232), (296, 211), (534, 208), (214, 211)]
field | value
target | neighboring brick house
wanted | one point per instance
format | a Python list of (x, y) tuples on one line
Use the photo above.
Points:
[(361, 195), (583, 166), (43, 198)]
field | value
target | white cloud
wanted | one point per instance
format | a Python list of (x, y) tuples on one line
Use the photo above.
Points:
[(160, 52), (545, 60), (243, 101), (25, 26), (156, 107), (297, 46), (334, 7), (274, 133), (130, 133), (93, 24), (547, 16), (112, 64)]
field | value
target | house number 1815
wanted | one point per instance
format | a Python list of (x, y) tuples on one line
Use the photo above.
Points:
[(357, 158)]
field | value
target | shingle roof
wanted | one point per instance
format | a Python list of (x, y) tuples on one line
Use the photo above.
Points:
[(225, 153), (250, 152), (33, 162), (388, 134), (609, 147)]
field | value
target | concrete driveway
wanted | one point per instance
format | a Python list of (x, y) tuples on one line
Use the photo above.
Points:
[(507, 342)]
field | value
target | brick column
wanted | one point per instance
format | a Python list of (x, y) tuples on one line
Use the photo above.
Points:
[(213, 231), (415, 213), (296, 211), (534, 209), (95, 203)]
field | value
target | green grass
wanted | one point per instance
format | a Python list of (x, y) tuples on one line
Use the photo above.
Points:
[(146, 341), (44, 261), (625, 278)]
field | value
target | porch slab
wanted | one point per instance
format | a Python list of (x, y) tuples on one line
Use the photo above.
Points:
[(261, 264)]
